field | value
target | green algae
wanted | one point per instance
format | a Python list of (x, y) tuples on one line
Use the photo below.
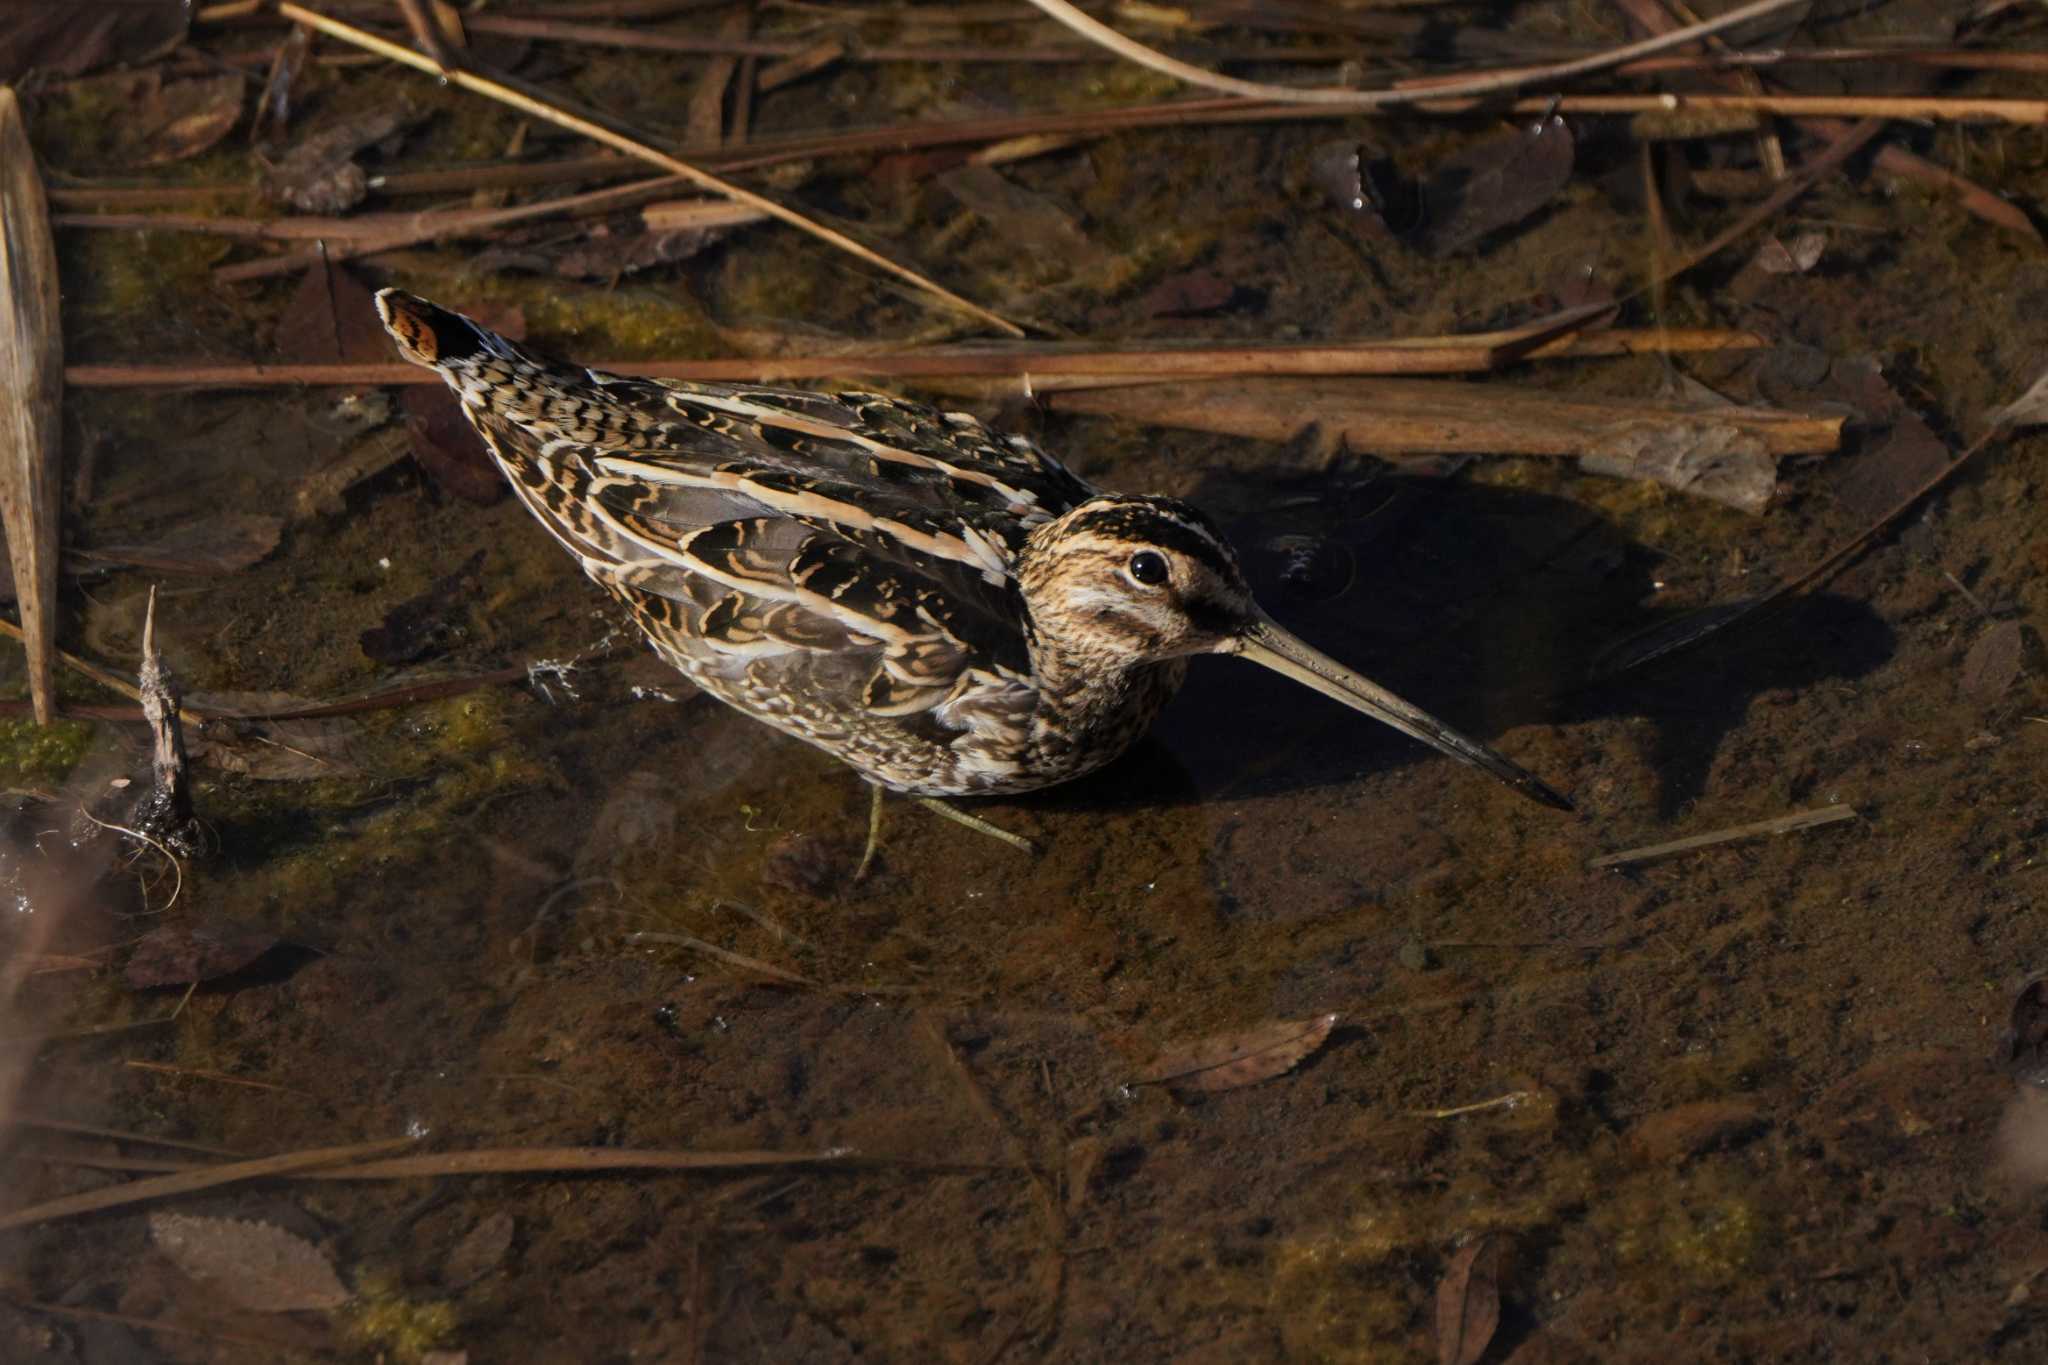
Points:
[(32, 753), (385, 1320)]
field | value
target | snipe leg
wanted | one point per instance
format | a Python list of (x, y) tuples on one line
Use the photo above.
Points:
[(932, 803), (976, 823), (867, 855)]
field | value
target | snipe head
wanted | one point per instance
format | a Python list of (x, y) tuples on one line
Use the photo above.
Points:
[(1120, 582)]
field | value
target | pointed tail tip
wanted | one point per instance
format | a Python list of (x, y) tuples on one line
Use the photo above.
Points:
[(426, 333)]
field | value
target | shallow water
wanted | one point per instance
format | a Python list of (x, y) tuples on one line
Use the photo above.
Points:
[(1739, 1104)]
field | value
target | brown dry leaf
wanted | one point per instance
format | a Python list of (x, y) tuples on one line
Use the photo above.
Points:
[(1995, 661), (140, 119), (1366, 189), (283, 750), (482, 1249), (639, 813), (273, 750), (1796, 257), (222, 544), (274, 105), (447, 446), (256, 1266), (320, 174), (1028, 220), (428, 623), (443, 441), (331, 316), (1229, 1060), (1908, 456), (2030, 409), (1468, 1302), (72, 37), (199, 949), (1494, 184), (1193, 294), (1702, 456), (607, 254)]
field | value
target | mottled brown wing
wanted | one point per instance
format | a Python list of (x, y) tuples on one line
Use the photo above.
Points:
[(823, 552)]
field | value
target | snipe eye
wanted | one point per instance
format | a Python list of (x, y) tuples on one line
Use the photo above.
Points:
[(1148, 567)]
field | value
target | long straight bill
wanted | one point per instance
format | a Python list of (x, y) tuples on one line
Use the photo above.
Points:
[(1268, 644)]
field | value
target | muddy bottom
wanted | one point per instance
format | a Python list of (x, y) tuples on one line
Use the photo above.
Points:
[(1741, 1103)]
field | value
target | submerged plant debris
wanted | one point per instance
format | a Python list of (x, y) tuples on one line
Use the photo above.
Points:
[(576, 957)]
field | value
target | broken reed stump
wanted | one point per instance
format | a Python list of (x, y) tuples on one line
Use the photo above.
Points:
[(164, 814), (31, 397)]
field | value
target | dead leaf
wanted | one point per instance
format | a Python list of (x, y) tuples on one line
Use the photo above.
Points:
[(445, 444), (1366, 190), (2023, 1046), (1494, 184), (1229, 1060), (1702, 456), (331, 316), (140, 119), (274, 106), (1025, 218), (223, 544), (1194, 294), (198, 949), (806, 864), (425, 624), (1579, 285), (1995, 661), (1468, 1302), (448, 448), (320, 174), (256, 1266), (283, 750), (482, 1249), (607, 254), (1905, 459), (1797, 257), (2030, 409), (640, 812), (1684, 1131), (77, 36), (273, 750)]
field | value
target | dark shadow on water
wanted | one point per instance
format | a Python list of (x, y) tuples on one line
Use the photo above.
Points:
[(1489, 608)]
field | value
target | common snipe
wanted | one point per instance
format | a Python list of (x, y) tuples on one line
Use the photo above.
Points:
[(949, 610)]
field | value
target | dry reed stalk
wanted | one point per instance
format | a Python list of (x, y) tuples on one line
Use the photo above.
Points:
[(31, 397), (527, 104), (1437, 416), (1040, 367), (199, 1178)]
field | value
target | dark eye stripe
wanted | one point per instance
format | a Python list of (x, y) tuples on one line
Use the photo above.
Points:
[(1146, 525)]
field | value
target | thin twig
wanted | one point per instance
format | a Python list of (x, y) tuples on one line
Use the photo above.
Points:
[(1507, 1101), (1488, 84), (274, 1350), (118, 1135), (1783, 824), (506, 95), (367, 237), (202, 1178), (199, 1074)]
